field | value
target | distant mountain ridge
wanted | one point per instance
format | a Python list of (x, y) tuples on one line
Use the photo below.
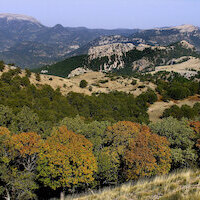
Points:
[(166, 36), (28, 43), (153, 37), (20, 36)]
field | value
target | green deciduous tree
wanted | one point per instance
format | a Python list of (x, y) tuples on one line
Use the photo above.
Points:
[(180, 137), (25, 121)]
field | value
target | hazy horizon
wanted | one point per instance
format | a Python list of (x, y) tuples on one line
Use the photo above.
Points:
[(110, 14)]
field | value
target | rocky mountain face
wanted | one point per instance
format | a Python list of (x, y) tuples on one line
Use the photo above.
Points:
[(23, 38), (124, 58)]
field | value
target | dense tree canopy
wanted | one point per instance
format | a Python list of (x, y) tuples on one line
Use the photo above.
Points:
[(180, 137), (66, 160)]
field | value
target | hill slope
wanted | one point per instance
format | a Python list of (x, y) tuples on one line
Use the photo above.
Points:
[(178, 186)]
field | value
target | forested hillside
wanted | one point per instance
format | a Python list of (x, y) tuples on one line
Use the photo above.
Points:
[(52, 145)]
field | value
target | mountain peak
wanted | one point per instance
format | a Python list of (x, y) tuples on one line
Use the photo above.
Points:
[(11, 17), (186, 28)]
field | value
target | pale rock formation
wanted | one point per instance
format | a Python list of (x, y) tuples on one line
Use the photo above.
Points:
[(11, 17), (78, 71)]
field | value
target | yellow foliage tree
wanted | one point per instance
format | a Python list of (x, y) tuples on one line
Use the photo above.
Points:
[(66, 160)]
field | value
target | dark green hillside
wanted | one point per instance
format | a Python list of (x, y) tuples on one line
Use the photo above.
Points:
[(64, 68)]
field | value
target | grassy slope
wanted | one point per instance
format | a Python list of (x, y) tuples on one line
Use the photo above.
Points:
[(183, 185)]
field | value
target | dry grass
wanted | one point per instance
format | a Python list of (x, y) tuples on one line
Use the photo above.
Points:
[(94, 81), (156, 110), (185, 67), (184, 185)]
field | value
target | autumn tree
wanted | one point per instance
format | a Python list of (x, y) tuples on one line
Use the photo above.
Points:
[(140, 152), (195, 125), (66, 160), (147, 154), (16, 183), (27, 147)]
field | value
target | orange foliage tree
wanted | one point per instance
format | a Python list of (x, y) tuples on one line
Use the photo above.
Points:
[(195, 125), (17, 182), (148, 154), (140, 152), (120, 134), (66, 160), (27, 147)]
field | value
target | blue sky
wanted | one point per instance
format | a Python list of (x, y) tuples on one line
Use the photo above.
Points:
[(107, 13)]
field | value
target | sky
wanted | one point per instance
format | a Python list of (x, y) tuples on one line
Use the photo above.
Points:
[(107, 14)]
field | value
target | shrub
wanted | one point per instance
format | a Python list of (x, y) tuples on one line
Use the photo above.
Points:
[(37, 77), (2, 66), (103, 81), (179, 92), (134, 82), (90, 88), (83, 84), (28, 72)]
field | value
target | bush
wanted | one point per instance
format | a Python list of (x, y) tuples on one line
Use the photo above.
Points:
[(103, 81), (90, 88), (134, 82), (37, 77), (28, 73), (179, 92), (83, 84), (2, 66), (184, 111)]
